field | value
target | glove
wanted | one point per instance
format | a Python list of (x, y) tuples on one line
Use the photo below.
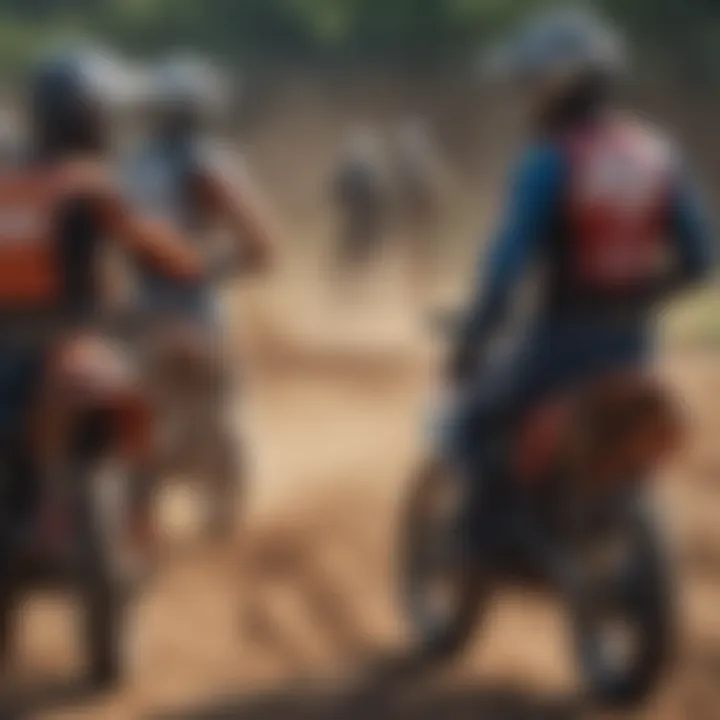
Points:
[(462, 366)]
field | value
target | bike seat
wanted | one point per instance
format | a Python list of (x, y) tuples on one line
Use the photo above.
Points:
[(621, 419)]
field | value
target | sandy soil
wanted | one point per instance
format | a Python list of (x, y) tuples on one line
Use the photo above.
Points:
[(295, 620)]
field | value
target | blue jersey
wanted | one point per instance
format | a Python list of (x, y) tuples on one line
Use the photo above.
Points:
[(535, 228)]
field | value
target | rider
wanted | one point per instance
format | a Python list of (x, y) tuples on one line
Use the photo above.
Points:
[(419, 178), (181, 176), (360, 195), (59, 209), (601, 202)]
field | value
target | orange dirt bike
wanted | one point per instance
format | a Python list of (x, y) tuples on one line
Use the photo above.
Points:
[(571, 517), (86, 531)]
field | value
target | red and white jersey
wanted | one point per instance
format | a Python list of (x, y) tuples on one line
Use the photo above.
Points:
[(621, 173)]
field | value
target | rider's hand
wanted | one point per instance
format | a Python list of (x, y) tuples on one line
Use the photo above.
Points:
[(462, 366), (260, 258), (230, 263), (222, 263)]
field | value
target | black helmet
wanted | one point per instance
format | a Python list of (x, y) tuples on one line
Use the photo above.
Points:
[(72, 96)]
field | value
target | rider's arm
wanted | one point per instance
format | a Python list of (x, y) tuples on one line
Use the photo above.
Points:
[(692, 232), (233, 198), (152, 241), (531, 210)]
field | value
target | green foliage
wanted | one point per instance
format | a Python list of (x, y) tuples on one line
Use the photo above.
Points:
[(412, 30)]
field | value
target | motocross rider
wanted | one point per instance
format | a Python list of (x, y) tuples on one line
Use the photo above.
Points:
[(178, 174), (59, 210), (360, 195), (420, 180), (601, 202)]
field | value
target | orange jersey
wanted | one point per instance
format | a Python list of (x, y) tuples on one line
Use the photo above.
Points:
[(28, 268), (53, 220)]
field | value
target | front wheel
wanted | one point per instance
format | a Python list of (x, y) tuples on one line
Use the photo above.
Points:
[(625, 631), (110, 566), (226, 483), (441, 591)]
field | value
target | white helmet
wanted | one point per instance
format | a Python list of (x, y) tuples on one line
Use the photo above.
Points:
[(565, 43), (412, 137), (191, 84), (362, 145)]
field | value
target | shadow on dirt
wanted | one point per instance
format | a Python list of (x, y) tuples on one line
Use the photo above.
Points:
[(396, 690), (31, 699)]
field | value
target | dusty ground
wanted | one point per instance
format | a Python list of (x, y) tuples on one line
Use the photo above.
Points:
[(279, 625)]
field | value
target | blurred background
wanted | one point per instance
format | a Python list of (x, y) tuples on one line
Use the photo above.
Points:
[(309, 72), (337, 385)]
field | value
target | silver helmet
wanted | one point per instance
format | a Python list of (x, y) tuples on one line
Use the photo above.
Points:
[(189, 83), (561, 44)]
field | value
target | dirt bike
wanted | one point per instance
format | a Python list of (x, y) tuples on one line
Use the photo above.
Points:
[(571, 516), (82, 533), (188, 385), (190, 391)]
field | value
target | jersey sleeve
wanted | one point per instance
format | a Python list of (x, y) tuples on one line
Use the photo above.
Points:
[(691, 229), (533, 203)]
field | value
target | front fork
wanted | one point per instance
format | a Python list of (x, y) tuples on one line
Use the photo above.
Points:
[(81, 438), (500, 530)]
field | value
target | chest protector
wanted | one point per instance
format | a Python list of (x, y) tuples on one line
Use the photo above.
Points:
[(617, 229), (29, 271), (41, 266), (158, 181)]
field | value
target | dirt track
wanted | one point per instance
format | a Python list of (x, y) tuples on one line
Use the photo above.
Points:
[(265, 629)]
